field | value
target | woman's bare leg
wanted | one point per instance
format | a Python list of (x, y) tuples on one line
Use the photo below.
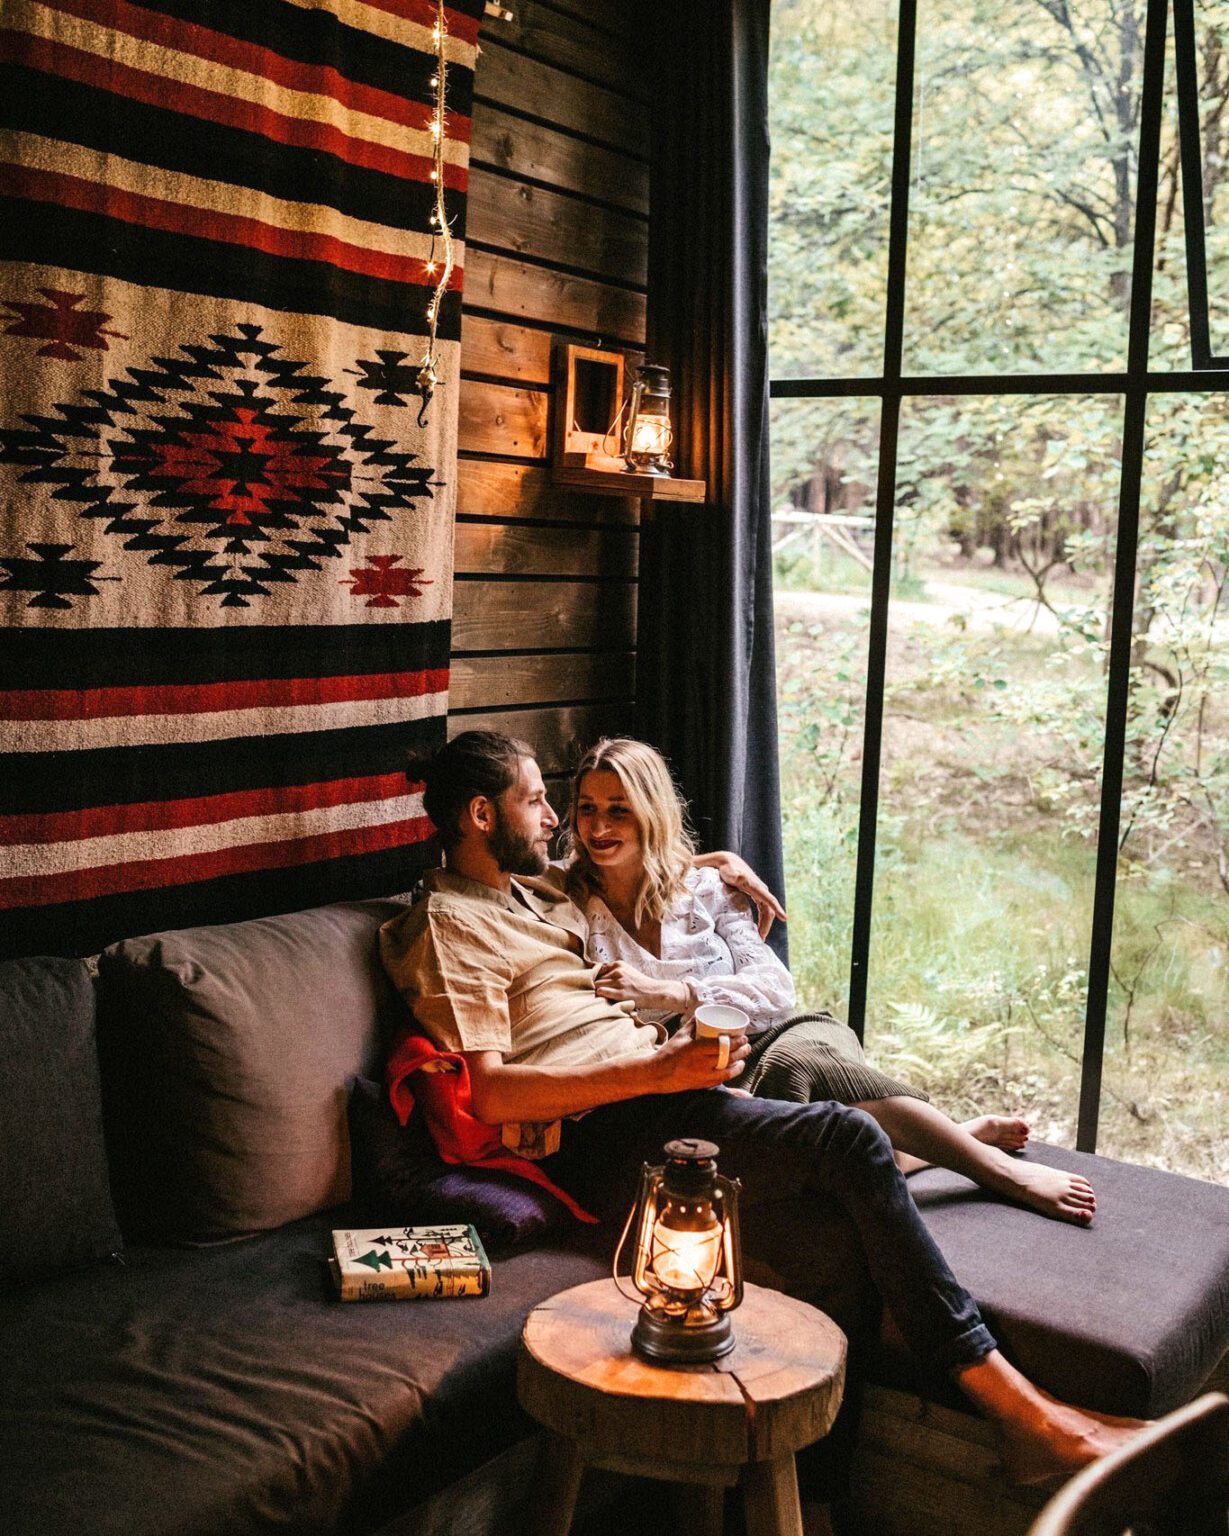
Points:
[(1008, 1132), (1039, 1437), (919, 1130)]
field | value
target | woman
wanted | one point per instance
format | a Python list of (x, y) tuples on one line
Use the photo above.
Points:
[(668, 936)]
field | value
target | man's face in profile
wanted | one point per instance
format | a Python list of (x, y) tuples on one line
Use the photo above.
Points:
[(524, 821)]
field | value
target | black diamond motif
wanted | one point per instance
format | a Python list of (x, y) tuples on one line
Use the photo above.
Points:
[(52, 578), (392, 376), (229, 464)]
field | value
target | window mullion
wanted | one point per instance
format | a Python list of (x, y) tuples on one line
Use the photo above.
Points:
[(1118, 690), (885, 511)]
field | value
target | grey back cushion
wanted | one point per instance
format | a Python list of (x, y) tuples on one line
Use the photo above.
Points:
[(226, 1054), (55, 1206)]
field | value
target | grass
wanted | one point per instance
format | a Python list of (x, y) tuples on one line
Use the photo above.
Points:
[(983, 898)]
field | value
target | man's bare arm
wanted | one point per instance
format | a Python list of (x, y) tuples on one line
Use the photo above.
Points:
[(737, 872), (503, 1092)]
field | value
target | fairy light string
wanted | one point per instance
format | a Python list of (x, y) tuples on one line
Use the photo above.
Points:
[(440, 259)]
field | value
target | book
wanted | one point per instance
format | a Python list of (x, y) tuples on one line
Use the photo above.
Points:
[(394, 1263)]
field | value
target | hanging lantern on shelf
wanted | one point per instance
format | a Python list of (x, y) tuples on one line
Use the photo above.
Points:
[(686, 1258), (648, 436)]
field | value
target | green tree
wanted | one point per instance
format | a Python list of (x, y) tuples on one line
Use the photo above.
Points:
[(1021, 244)]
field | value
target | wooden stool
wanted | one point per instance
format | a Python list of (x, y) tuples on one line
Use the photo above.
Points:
[(741, 1418)]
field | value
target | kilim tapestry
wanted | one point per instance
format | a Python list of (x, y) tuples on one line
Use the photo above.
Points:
[(230, 275)]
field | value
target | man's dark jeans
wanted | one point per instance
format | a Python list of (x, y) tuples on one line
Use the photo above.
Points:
[(793, 1158)]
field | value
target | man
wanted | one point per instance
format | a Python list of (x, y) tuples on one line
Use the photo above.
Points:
[(491, 961)]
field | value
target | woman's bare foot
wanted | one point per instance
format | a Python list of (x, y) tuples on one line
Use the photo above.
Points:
[(1004, 1131), (1051, 1191), (919, 1131)]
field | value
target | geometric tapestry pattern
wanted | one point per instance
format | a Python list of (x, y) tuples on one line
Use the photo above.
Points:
[(225, 517), (237, 486)]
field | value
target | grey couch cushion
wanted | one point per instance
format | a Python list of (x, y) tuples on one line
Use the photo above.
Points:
[(55, 1205), (1130, 1316), (226, 1393), (226, 1053)]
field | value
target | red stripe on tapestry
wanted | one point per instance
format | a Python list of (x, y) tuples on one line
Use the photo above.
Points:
[(192, 868), (206, 224), (423, 12), (201, 811), (219, 48), (208, 698), (86, 68)]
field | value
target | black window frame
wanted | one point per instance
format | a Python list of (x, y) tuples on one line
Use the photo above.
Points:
[(1194, 209), (1208, 374)]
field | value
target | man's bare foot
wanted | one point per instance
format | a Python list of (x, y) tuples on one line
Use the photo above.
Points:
[(1004, 1131), (1051, 1191), (1060, 1441), (1039, 1436)]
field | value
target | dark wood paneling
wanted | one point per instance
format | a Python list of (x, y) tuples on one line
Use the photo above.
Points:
[(509, 79), (621, 20), (528, 291), (495, 418), (559, 737), (567, 40), (523, 148), (507, 351), (520, 353), (543, 615), (519, 549), (551, 679), (486, 489), (533, 222)]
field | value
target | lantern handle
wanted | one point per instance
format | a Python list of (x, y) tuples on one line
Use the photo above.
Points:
[(632, 1295), (612, 432), (730, 1189)]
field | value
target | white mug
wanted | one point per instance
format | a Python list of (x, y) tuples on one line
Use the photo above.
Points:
[(718, 1021)]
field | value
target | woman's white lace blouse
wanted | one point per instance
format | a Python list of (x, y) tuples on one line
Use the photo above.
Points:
[(709, 940)]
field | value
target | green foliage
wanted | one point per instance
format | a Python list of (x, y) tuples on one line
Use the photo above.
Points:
[(1022, 181)]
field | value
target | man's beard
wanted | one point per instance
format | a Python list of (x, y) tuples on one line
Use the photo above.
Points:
[(513, 851)]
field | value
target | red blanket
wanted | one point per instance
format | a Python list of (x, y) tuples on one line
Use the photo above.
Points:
[(442, 1090)]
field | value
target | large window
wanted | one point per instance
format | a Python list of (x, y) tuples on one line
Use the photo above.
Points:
[(999, 293)]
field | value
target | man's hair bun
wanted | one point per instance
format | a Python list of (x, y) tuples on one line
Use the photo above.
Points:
[(471, 764)]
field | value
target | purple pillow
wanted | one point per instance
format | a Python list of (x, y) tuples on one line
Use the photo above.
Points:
[(399, 1176)]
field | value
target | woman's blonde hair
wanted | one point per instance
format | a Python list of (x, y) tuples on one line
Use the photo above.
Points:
[(660, 811)]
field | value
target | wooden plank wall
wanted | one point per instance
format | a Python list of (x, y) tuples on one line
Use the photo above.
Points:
[(557, 236)]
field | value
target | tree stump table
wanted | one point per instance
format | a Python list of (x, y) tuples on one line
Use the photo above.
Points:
[(739, 1419)]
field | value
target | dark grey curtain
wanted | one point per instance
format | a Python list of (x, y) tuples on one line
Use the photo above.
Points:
[(706, 676)]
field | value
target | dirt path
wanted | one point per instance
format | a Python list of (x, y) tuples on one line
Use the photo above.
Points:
[(948, 602)]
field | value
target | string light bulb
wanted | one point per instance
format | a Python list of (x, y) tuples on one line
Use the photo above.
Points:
[(441, 230)]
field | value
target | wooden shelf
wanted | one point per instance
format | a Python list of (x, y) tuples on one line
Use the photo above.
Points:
[(608, 482)]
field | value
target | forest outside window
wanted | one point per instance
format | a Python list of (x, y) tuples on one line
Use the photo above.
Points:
[(1001, 497)]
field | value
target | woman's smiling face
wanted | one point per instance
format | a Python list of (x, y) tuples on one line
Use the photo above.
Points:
[(608, 831)]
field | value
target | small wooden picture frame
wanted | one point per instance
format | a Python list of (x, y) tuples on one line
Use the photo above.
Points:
[(588, 395)]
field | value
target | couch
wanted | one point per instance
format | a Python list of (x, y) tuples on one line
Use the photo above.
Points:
[(174, 1130)]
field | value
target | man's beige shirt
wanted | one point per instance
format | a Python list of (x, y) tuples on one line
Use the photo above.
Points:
[(488, 972)]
